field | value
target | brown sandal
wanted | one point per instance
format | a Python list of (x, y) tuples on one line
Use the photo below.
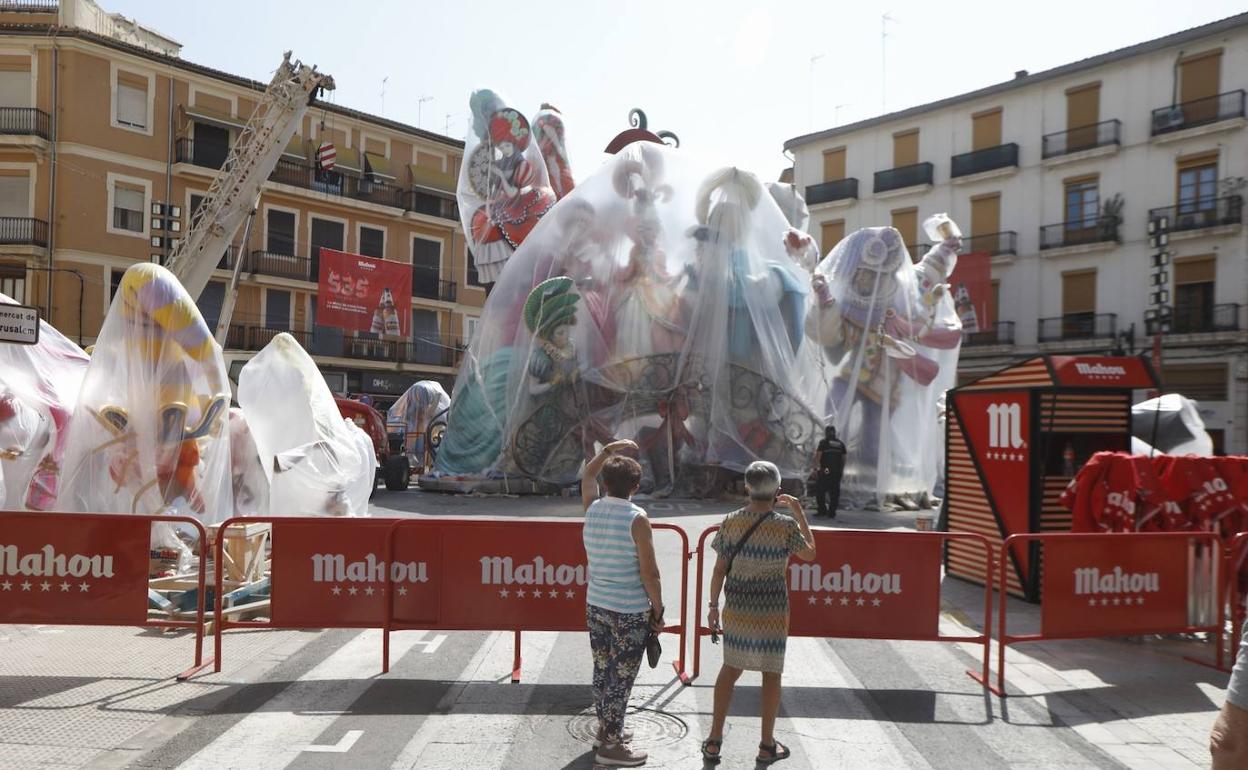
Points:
[(718, 743), (773, 753)]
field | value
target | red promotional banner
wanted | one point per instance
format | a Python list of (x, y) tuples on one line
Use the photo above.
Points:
[(364, 294), (972, 291), (863, 586), (1113, 584), (73, 569), (328, 575), (1102, 371)]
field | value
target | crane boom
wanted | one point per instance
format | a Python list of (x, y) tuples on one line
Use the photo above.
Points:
[(236, 188)]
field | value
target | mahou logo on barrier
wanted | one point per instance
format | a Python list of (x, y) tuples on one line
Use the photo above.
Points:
[(857, 586), (54, 571), (1113, 585)]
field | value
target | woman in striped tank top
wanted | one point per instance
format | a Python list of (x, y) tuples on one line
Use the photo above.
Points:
[(625, 596)]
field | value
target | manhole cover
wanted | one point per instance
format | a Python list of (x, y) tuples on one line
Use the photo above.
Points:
[(650, 728)]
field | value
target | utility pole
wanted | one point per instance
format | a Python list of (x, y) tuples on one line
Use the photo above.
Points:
[(446, 130), (420, 103), (383, 95)]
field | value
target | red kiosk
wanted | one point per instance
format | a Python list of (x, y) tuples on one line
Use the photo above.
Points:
[(1014, 440)]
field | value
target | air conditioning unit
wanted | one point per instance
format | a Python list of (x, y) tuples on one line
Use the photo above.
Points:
[(1170, 119)]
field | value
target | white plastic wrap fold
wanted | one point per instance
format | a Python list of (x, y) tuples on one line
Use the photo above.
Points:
[(1172, 421), (39, 386), (248, 479), (891, 336), (149, 433), (414, 412), (310, 454), (504, 187), (657, 301)]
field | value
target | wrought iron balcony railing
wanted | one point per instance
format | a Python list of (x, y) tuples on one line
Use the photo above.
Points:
[(1199, 214), (1201, 319), (987, 159), (431, 204), (1078, 326), (1100, 229), (999, 333), (24, 121), (279, 265), (23, 231), (1106, 132), (991, 244), (826, 192), (1199, 112), (430, 288), (903, 176)]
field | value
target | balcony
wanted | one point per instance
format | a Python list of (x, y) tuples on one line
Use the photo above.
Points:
[(1079, 232), (1103, 134), (254, 336), (827, 192), (999, 333), (279, 265), (24, 121), (371, 191), (1201, 214), (1200, 112), (431, 204), (430, 350), (23, 231), (987, 159), (991, 244), (902, 177), (434, 289), (204, 155), (1205, 319), (1078, 326)]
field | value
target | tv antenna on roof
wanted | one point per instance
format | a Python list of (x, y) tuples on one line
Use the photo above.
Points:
[(420, 103), (383, 95)]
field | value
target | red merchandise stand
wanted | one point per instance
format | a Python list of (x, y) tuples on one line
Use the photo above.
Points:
[(1012, 439)]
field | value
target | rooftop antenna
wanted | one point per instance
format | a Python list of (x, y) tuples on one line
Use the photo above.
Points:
[(446, 130), (420, 103), (383, 95), (836, 113), (813, 58), (884, 20)]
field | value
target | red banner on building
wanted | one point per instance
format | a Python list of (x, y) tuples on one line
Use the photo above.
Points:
[(867, 586), (364, 294), (972, 291), (1109, 585), (85, 571)]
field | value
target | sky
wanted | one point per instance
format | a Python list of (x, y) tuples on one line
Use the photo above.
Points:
[(732, 79)]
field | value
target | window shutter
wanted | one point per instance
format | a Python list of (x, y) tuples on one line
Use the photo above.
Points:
[(834, 165), (128, 199), (1079, 292), (831, 234), (906, 222), (131, 105)]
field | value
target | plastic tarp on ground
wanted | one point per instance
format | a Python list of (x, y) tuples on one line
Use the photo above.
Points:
[(39, 386), (659, 301), (415, 411), (891, 337), (317, 462), (149, 434)]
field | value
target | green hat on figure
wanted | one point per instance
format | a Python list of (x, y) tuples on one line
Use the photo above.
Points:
[(551, 304)]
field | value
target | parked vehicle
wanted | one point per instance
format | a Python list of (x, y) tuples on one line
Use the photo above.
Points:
[(392, 468)]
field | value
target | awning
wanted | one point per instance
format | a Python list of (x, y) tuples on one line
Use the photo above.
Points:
[(214, 117), (348, 159), (378, 165), (296, 148), (431, 178)]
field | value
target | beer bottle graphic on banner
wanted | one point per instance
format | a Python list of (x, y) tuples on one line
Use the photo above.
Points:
[(389, 314)]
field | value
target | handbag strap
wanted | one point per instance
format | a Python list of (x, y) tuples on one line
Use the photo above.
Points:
[(744, 539)]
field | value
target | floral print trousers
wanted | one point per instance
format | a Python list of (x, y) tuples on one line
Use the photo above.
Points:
[(618, 641)]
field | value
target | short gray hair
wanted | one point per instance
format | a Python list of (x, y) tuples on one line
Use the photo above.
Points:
[(763, 479)]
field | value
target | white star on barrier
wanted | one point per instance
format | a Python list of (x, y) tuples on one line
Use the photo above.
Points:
[(504, 593), (26, 586), (861, 601), (369, 590), (402, 590), (827, 600), (536, 593), (46, 586), (811, 599), (1091, 602), (570, 593), (336, 591), (519, 593), (6, 585), (844, 601), (875, 602), (1117, 601), (84, 587), (1104, 602), (65, 586), (554, 593), (352, 590), (1140, 600)]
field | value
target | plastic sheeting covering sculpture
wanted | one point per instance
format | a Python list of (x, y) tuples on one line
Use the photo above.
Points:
[(504, 187), (247, 476), (39, 386), (658, 301), (892, 337), (414, 412), (149, 432), (317, 463)]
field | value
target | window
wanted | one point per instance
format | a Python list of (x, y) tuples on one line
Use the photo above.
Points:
[(373, 242), (13, 283), (428, 346), (986, 221), (210, 146), (1198, 189), (426, 267), (128, 208), (15, 196), (986, 129), (470, 328), (470, 266), (994, 305), (834, 165), (280, 229), (830, 234), (326, 234), (1083, 112), (906, 222), (15, 81), (1202, 382), (1078, 304), (209, 302), (131, 105), (1199, 78), (906, 148), (114, 281), (1082, 203), (1194, 283), (277, 310)]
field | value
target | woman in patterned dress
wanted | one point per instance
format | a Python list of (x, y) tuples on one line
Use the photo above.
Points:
[(754, 545)]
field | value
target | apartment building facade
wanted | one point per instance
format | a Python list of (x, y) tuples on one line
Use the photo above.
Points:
[(1057, 175), (109, 142)]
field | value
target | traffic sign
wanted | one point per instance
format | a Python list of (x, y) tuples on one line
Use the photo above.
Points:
[(19, 324)]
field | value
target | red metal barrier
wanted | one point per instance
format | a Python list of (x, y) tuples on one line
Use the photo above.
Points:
[(87, 569), (1236, 552), (504, 575), (1137, 583), (868, 584)]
